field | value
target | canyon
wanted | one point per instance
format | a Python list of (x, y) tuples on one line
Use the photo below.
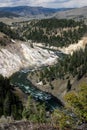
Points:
[(21, 54)]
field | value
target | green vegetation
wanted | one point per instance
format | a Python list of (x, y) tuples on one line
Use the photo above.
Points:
[(77, 102), (70, 65), (10, 105), (62, 120), (6, 29), (75, 111), (73, 114), (70, 116), (34, 112), (53, 32)]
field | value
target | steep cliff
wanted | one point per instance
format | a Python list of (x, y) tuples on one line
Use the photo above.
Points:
[(20, 55)]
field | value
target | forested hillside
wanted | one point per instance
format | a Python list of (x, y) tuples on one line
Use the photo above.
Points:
[(8, 34), (74, 65), (53, 32)]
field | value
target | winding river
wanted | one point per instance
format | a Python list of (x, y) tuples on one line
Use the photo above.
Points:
[(20, 79)]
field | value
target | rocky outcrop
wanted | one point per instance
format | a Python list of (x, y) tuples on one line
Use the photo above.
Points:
[(74, 47), (21, 55)]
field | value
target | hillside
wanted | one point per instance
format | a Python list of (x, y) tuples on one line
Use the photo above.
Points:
[(28, 11), (52, 32), (8, 31), (78, 13), (8, 14), (66, 75)]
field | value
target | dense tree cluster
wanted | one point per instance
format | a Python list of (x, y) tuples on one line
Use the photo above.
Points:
[(10, 105), (57, 23), (8, 31)]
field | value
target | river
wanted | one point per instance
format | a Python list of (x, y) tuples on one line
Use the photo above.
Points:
[(20, 79)]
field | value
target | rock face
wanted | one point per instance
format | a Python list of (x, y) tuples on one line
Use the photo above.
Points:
[(21, 55), (74, 47)]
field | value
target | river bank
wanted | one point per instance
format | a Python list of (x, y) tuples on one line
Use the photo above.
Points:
[(20, 79)]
